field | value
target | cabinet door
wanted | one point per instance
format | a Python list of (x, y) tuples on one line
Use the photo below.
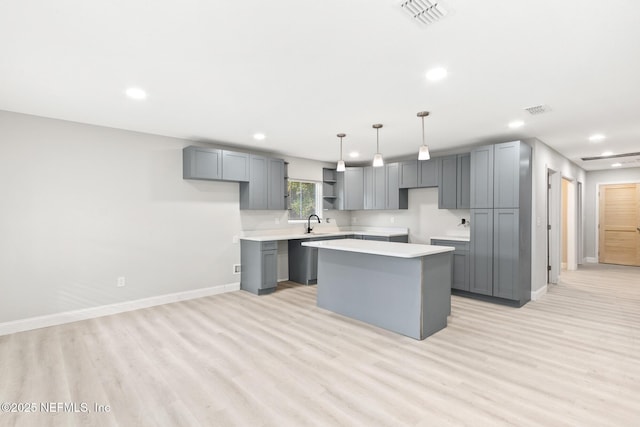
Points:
[(275, 192), (269, 269), (235, 166), (505, 253), (379, 188), (258, 185), (201, 163), (460, 271), (482, 251), (448, 187), (482, 177), (354, 189), (369, 190), (393, 189), (506, 182), (408, 174), (428, 171), (464, 181)]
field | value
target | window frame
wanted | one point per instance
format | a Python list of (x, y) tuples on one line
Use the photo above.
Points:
[(318, 201)]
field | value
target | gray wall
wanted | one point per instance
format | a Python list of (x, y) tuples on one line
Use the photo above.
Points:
[(81, 205), (544, 157), (594, 179)]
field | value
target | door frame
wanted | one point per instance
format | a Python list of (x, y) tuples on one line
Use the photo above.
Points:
[(554, 200)]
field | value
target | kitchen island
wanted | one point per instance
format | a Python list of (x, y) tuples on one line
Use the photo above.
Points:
[(402, 287)]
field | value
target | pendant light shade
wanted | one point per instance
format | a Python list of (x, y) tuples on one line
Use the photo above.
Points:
[(340, 167), (423, 154), (377, 159)]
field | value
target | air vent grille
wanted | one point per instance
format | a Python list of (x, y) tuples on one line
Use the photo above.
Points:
[(538, 109), (425, 12), (615, 156)]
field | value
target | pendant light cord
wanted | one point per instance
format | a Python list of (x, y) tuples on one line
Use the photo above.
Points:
[(422, 130), (377, 140)]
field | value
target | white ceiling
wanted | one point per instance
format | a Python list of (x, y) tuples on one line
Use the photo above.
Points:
[(301, 71)]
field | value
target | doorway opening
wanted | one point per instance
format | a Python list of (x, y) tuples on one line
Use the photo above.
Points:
[(568, 229), (553, 216)]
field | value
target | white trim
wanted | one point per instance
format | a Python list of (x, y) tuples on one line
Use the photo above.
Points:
[(591, 259), (536, 295), (106, 310)]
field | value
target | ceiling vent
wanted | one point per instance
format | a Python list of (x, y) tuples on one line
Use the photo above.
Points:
[(538, 109), (425, 12), (614, 156)]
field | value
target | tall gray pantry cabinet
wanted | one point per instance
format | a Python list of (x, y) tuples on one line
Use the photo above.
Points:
[(500, 265)]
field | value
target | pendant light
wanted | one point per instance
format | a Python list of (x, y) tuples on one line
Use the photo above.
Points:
[(423, 154), (377, 159), (340, 167)]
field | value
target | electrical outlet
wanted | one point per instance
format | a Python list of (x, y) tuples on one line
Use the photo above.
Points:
[(354, 220), (121, 282), (277, 220), (236, 239), (392, 220), (237, 269)]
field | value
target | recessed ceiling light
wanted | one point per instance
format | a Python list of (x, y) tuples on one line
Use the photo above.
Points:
[(616, 165), (607, 153), (516, 124), (354, 154), (259, 136), (597, 137), (136, 93), (436, 74)]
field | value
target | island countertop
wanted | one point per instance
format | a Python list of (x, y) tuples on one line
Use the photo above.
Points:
[(392, 249)]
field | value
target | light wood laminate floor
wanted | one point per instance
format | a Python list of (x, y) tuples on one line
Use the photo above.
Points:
[(569, 359)]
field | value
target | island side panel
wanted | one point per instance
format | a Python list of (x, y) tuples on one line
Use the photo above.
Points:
[(437, 274), (381, 290)]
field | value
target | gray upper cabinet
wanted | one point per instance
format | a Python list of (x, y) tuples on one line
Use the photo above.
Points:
[(455, 182), (396, 198), (506, 175), (275, 184), (448, 188), (464, 181), (253, 194), (482, 177), (351, 189), (428, 172), (235, 166), (408, 174), (201, 163), (368, 187), (379, 188)]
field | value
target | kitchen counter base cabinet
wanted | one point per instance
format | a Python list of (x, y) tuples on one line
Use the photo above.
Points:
[(409, 296), (303, 260), (460, 262), (259, 266)]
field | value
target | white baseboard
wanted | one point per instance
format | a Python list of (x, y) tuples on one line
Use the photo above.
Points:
[(536, 295), (591, 260), (106, 310)]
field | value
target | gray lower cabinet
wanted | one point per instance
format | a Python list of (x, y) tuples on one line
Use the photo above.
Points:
[(428, 172), (399, 239), (461, 260), (303, 260), (481, 265), (201, 163), (235, 166), (506, 253), (259, 266)]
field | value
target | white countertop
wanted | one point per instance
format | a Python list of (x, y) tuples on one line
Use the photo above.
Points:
[(293, 236), (400, 250), (452, 238)]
